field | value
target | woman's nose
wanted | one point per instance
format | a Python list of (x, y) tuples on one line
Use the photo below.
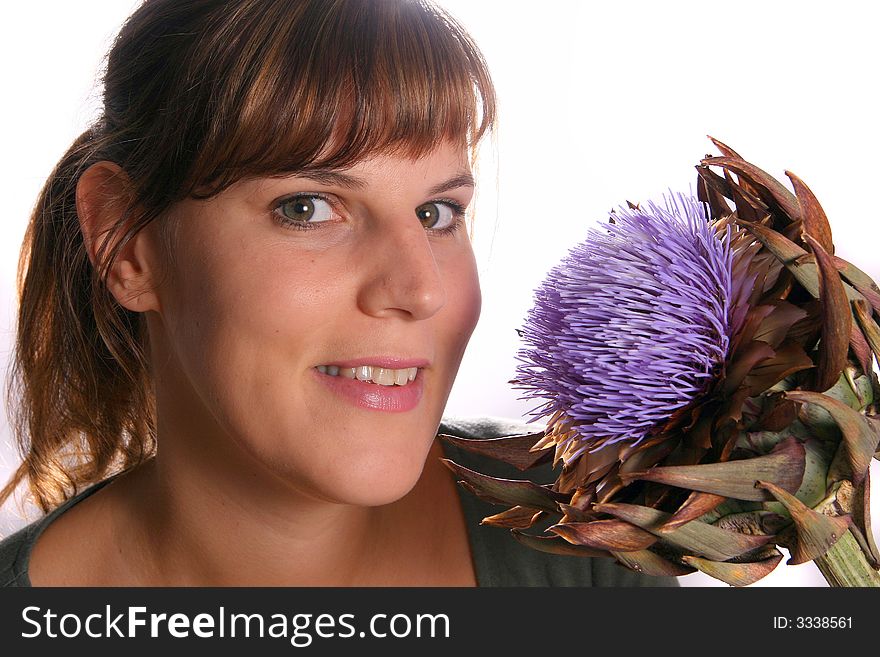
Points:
[(401, 274)]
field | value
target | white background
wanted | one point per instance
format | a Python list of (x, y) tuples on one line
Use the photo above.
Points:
[(599, 103)]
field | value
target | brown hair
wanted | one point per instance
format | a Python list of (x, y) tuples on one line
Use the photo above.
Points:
[(199, 94)]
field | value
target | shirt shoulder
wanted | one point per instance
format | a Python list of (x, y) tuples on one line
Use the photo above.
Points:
[(499, 559), (15, 549)]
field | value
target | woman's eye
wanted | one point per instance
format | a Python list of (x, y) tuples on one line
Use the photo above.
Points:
[(438, 216), (304, 209)]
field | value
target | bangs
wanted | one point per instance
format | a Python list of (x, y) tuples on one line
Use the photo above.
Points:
[(292, 86)]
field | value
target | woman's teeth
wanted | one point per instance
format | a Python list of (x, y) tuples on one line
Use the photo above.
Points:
[(381, 375)]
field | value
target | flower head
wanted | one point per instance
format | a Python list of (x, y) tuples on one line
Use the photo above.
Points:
[(631, 324), (706, 370)]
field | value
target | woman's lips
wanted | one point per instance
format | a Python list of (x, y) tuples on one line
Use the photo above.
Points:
[(373, 396)]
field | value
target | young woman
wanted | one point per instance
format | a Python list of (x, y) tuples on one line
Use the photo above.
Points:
[(246, 292)]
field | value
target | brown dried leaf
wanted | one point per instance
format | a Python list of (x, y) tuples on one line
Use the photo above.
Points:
[(509, 449), (775, 327), (695, 537), (784, 465), (858, 342), (518, 517), (778, 413), (724, 148), (816, 533), (744, 362), (770, 189), (611, 535), (736, 574), (651, 563), (869, 329), (748, 206), (696, 505), (798, 261), (860, 436), (861, 515), (556, 545), (709, 195), (859, 280), (727, 151), (756, 319), (514, 492), (814, 218), (836, 320), (789, 358)]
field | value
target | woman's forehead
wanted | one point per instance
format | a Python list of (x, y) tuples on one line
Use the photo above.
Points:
[(447, 156), (433, 174)]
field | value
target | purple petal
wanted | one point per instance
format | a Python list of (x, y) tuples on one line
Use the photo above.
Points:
[(632, 324)]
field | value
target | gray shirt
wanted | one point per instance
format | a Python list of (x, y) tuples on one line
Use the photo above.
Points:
[(499, 560)]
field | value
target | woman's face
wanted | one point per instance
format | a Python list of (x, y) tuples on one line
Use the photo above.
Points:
[(275, 278)]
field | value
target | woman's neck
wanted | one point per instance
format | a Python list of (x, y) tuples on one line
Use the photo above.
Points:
[(182, 528)]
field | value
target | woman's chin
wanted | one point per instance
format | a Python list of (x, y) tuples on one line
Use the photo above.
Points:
[(384, 484), (363, 478)]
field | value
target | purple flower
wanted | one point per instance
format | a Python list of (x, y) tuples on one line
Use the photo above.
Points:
[(631, 325), (709, 390)]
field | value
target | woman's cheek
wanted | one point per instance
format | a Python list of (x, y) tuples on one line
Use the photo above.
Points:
[(462, 310), (467, 285)]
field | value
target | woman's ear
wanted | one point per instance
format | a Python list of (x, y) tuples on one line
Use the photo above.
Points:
[(103, 195)]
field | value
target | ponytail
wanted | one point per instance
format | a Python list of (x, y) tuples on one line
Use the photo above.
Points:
[(79, 395)]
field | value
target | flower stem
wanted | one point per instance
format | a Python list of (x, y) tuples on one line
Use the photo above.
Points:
[(845, 564)]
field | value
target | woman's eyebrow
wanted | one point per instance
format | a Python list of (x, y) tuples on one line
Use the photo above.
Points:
[(332, 177), (463, 179)]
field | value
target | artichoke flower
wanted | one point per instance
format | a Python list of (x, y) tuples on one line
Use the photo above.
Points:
[(705, 370)]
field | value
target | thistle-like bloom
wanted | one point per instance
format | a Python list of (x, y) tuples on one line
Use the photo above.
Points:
[(631, 324), (706, 373)]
